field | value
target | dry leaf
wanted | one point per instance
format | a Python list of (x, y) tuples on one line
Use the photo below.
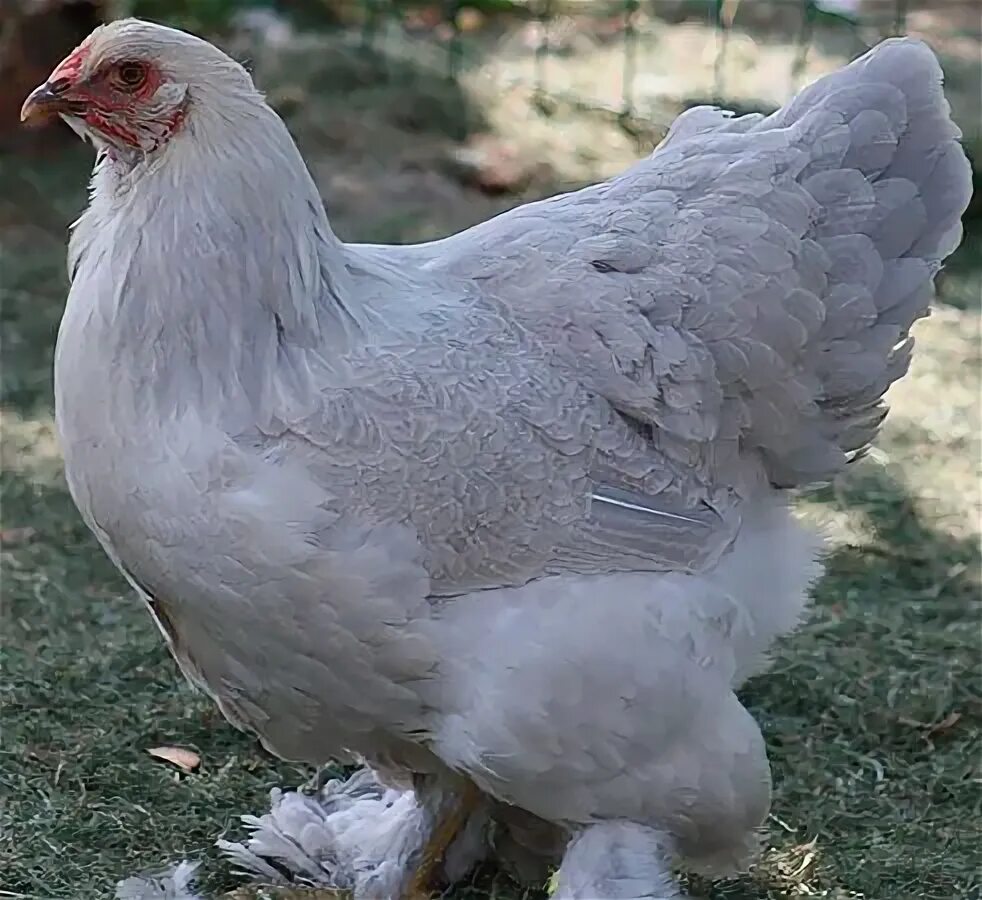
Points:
[(945, 725), (933, 729), (186, 760)]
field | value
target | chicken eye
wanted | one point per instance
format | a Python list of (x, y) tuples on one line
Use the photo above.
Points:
[(131, 74)]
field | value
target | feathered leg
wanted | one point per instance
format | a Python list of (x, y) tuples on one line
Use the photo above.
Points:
[(379, 843), (618, 861)]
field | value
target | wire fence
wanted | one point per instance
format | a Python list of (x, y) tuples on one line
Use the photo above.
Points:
[(635, 61), (454, 35)]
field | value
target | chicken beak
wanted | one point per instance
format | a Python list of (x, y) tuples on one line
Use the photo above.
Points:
[(47, 100)]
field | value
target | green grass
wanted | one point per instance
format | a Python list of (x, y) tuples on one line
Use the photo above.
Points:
[(872, 711)]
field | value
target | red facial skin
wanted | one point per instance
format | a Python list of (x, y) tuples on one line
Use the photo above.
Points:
[(111, 105)]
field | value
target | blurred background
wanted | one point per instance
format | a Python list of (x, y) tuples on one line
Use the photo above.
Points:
[(418, 119), (423, 116)]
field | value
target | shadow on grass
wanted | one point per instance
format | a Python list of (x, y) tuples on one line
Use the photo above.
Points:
[(38, 200), (960, 284), (872, 711)]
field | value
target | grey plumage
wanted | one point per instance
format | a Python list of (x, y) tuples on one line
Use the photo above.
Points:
[(617, 861), (177, 883), (507, 506)]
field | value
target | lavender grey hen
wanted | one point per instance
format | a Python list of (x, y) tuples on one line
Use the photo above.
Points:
[(503, 516)]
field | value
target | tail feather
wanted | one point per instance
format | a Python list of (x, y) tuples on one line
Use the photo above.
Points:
[(891, 183)]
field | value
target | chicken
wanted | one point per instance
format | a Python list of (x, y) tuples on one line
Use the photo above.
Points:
[(503, 517)]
